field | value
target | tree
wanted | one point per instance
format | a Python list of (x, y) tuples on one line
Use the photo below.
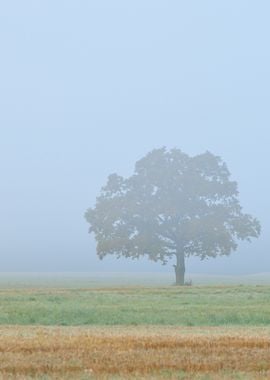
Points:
[(173, 205)]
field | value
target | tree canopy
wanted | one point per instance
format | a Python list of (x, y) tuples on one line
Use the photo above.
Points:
[(174, 205)]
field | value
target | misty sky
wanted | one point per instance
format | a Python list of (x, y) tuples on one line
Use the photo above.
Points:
[(89, 87)]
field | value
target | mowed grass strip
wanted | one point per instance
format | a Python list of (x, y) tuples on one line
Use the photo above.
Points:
[(185, 306), (134, 352)]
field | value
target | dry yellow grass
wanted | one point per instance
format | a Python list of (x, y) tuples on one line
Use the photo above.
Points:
[(134, 352)]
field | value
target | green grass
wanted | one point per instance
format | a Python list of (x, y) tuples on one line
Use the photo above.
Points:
[(186, 306)]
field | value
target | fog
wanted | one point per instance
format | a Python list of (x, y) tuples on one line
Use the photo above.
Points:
[(89, 87)]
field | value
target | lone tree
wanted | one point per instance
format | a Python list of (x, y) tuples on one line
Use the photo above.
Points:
[(173, 205)]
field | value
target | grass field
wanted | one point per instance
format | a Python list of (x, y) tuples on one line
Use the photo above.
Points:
[(51, 331), (186, 306)]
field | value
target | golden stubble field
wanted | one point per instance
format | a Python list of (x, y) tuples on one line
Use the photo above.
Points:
[(134, 352)]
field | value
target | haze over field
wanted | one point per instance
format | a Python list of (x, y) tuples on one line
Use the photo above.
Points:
[(88, 88)]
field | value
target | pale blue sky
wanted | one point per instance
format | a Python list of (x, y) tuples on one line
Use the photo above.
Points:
[(89, 87)]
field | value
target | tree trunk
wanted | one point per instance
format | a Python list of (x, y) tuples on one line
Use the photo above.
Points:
[(180, 269)]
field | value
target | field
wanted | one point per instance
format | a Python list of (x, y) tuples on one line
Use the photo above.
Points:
[(51, 331), (129, 352), (180, 306)]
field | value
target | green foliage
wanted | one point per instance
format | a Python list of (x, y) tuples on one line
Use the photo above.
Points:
[(173, 205)]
